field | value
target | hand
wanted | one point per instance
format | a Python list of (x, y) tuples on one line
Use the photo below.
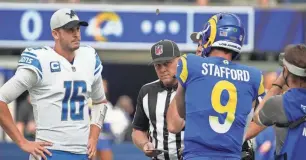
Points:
[(181, 153), (36, 149), (92, 147), (148, 149)]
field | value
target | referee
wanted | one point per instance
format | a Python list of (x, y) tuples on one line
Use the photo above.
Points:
[(150, 131)]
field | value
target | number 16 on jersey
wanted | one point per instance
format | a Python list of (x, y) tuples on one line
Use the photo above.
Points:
[(71, 98)]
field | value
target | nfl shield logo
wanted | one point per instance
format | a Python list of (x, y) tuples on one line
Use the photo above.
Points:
[(158, 50)]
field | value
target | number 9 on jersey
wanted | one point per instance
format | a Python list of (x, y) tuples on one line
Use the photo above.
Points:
[(229, 108)]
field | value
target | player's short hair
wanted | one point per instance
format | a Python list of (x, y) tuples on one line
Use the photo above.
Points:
[(295, 55)]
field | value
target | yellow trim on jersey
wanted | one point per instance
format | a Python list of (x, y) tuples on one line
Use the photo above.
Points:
[(184, 73), (213, 30), (261, 88)]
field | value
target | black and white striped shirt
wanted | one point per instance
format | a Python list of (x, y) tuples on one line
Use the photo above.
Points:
[(152, 105)]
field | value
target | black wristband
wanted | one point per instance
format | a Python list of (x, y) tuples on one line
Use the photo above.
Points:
[(274, 84)]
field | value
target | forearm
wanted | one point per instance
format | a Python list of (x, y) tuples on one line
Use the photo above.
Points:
[(21, 81), (139, 138), (98, 113), (95, 129), (181, 108), (253, 130), (179, 101), (256, 127), (20, 127), (8, 125), (94, 132), (272, 92), (174, 122)]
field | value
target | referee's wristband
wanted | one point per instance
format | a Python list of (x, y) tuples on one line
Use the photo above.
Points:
[(274, 84)]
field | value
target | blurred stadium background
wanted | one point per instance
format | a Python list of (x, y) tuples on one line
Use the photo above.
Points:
[(122, 31)]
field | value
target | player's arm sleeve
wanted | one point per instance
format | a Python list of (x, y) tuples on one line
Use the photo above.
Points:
[(182, 70), (140, 121), (23, 80), (272, 112), (98, 94), (98, 67), (261, 89), (29, 60)]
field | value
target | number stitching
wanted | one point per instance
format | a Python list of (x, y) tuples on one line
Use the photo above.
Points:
[(229, 108), (72, 97)]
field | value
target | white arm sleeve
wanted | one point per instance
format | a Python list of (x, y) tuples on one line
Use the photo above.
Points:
[(99, 109), (23, 80), (98, 94)]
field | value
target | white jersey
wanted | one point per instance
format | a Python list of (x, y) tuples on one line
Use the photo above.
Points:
[(60, 96)]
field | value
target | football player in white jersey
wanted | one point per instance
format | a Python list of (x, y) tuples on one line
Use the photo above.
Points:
[(60, 80)]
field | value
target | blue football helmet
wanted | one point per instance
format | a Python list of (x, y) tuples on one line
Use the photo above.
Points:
[(223, 30)]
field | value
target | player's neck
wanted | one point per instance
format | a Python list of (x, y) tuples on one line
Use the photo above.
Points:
[(298, 85), (66, 54)]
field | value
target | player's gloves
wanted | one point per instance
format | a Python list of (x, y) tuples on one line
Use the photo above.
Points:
[(247, 151)]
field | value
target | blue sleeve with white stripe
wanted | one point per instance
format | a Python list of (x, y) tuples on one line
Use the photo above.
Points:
[(30, 61), (98, 66)]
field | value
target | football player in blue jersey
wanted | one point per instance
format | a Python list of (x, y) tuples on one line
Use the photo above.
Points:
[(215, 95)]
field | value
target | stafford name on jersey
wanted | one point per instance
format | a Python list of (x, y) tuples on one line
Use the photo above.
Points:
[(225, 72)]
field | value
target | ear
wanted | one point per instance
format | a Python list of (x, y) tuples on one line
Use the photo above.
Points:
[(55, 34)]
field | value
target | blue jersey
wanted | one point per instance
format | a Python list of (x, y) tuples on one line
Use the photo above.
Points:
[(219, 96), (294, 101)]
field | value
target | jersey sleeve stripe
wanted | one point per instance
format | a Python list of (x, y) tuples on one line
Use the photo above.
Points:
[(29, 54), (261, 89), (98, 69), (98, 62), (31, 63), (27, 60), (184, 73)]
